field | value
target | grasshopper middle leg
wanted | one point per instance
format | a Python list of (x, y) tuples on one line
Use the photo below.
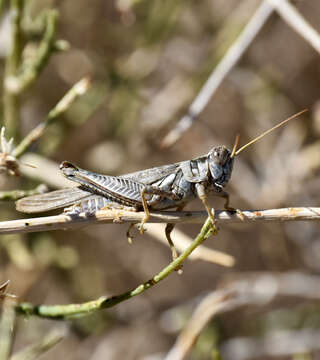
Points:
[(150, 190)]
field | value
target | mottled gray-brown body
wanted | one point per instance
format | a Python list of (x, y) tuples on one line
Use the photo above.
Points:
[(164, 187)]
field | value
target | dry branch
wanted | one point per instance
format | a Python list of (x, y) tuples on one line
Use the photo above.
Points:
[(182, 241), (7, 323), (43, 345), (11, 100), (63, 105), (64, 221), (251, 289), (217, 76), (293, 18), (288, 13)]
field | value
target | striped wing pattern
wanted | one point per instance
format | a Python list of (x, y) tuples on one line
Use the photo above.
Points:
[(52, 200), (121, 190), (126, 189)]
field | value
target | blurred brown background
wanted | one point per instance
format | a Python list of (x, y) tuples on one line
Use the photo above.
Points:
[(147, 61)]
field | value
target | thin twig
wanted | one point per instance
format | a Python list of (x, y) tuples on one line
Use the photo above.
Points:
[(288, 12), (255, 289), (64, 221), (2, 4), (182, 241), (3, 291), (78, 89), (9, 155), (46, 343), (230, 59), (19, 83), (293, 18), (6, 328), (18, 194), (211, 305), (11, 106), (66, 311)]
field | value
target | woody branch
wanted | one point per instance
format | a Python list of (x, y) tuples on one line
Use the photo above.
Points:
[(65, 221)]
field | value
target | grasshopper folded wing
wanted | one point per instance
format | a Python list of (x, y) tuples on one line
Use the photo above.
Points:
[(51, 200)]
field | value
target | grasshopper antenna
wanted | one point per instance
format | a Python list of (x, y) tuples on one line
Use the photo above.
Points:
[(236, 142), (237, 152)]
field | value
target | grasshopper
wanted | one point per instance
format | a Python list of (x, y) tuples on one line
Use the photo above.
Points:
[(159, 188)]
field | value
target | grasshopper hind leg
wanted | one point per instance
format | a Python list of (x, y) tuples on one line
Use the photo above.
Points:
[(169, 226), (149, 190), (169, 229)]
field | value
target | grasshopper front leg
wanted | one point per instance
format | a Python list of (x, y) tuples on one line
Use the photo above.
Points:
[(201, 192), (226, 196)]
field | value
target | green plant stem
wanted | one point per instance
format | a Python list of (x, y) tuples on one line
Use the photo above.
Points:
[(2, 3), (41, 58), (39, 348), (77, 90), (11, 101), (18, 194), (70, 310)]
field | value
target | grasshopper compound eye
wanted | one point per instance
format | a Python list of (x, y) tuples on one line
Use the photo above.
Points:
[(219, 155)]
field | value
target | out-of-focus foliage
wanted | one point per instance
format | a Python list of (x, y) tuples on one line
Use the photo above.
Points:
[(147, 61)]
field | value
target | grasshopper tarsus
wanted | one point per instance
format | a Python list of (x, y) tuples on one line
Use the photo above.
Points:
[(168, 231), (229, 208), (129, 236)]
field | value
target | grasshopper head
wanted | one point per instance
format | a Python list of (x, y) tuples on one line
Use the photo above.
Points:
[(220, 159), (68, 169), (220, 164)]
